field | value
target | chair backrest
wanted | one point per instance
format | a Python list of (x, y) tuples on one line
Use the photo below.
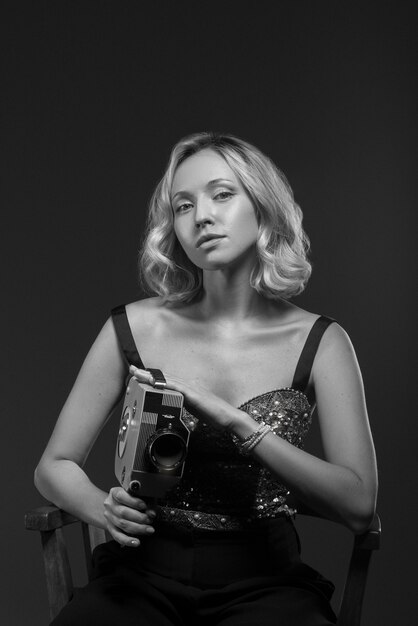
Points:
[(50, 520)]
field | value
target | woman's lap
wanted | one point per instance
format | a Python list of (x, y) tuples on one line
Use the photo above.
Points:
[(281, 606), (167, 603), (112, 600), (204, 579)]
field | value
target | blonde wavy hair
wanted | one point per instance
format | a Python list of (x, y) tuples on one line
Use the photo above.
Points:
[(282, 269)]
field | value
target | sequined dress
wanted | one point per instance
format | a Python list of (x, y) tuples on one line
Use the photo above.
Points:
[(220, 488)]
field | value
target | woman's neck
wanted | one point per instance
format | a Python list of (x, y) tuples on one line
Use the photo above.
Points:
[(228, 296)]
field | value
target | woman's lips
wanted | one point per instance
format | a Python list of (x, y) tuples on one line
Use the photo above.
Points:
[(206, 243)]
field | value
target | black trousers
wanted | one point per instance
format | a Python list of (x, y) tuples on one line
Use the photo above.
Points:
[(208, 578)]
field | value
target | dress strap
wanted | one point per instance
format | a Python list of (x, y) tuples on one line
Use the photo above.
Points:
[(125, 337), (307, 356)]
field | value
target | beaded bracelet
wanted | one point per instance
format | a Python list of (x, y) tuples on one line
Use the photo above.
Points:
[(245, 446), (256, 441), (238, 442)]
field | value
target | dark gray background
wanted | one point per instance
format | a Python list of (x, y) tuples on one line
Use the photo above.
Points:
[(94, 95)]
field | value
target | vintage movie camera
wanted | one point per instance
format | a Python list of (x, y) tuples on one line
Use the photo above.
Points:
[(152, 441)]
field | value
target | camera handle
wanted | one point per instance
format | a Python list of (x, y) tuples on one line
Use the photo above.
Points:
[(159, 379), (134, 490)]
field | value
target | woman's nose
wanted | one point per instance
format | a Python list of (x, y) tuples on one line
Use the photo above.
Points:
[(203, 214)]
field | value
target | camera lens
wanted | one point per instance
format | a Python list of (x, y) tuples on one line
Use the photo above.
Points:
[(167, 450)]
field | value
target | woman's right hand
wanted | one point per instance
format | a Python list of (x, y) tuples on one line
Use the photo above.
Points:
[(127, 517)]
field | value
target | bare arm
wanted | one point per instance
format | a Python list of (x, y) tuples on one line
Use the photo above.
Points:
[(344, 485), (59, 475)]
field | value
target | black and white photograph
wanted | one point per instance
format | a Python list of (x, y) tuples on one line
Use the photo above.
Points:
[(209, 313)]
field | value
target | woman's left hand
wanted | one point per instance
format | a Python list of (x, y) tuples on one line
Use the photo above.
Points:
[(198, 400)]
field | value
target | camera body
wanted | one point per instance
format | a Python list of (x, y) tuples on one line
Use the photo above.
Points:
[(152, 442)]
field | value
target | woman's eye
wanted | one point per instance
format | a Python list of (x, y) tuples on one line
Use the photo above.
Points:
[(224, 195), (183, 207)]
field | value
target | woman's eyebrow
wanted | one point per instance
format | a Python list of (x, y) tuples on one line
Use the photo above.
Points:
[(211, 183)]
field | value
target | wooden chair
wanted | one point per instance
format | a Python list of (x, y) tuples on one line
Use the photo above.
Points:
[(50, 520)]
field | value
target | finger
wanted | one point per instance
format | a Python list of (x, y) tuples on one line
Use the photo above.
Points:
[(124, 540), (121, 496), (132, 528), (113, 513), (137, 526), (142, 375), (171, 383), (129, 526), (131, 515), (145, 376)]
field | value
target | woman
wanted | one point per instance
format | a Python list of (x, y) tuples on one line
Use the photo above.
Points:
[(224, 252)]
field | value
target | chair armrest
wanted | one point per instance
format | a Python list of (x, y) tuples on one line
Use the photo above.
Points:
[(370, 540), (349, 613), (46, 518), (49, 520)]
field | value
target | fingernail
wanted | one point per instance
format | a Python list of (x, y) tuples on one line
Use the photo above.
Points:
[(134, 542), (152, 514), (150, 529)]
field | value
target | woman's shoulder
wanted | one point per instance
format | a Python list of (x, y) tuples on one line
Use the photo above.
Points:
[(144, 306), (333, 336), (333, 344), (145, 312), (149, 315), (291, 314)]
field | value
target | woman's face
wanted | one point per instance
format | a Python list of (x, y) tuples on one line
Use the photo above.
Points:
[(214, 219)]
